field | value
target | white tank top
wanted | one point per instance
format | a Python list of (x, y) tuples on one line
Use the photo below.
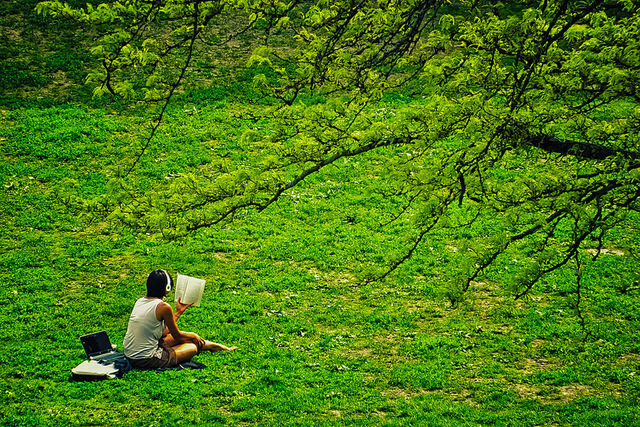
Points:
[(144, 330)]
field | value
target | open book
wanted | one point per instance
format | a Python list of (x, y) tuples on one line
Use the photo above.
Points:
[(189, 290)]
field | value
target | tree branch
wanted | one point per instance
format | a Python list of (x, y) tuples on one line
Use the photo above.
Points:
[(579, 149)]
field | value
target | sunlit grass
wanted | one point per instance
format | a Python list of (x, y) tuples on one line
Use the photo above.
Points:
[(317, 342)]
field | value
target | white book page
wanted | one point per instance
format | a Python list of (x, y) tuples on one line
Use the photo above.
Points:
[(189, 290)]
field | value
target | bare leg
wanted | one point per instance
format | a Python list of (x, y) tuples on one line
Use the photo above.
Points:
[(169, 341), (186, 349), (213, 347), (185, 352)]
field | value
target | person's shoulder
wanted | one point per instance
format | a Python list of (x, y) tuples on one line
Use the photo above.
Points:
[(163, 307), (163, 311)]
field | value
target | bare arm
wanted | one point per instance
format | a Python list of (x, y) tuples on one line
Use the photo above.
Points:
[(165, 313), (180, 309)]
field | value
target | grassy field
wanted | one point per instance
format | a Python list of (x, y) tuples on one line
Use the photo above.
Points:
[(317, 343)]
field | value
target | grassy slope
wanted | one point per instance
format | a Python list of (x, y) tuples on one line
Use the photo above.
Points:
[(316, 345)]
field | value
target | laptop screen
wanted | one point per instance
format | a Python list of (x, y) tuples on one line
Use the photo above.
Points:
[(96, 343)]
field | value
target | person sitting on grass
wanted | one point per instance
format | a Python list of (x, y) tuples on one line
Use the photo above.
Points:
[(153, 339)]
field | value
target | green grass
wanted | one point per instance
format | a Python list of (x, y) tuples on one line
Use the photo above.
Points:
[(317, 344)]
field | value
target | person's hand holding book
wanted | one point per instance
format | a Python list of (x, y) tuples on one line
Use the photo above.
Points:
[(181, 308)]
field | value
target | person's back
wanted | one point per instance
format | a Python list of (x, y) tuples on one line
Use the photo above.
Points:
[(144, 330)]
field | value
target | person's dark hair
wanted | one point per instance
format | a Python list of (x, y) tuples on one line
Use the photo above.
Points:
[(158, 282)]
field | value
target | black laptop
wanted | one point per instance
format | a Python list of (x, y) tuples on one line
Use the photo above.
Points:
[(98, 347)]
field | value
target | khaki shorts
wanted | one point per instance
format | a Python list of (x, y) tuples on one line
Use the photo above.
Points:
[(166, 360)]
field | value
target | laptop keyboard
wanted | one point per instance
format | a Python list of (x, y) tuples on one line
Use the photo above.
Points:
[(108, 358)]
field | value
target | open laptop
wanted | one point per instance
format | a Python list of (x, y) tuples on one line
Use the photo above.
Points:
[(102, 358), (98, 347)]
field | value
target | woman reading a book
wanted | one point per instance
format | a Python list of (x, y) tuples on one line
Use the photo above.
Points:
[(153, 339)]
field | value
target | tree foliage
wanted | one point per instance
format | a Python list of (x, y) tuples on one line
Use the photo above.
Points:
[(523, 115)]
